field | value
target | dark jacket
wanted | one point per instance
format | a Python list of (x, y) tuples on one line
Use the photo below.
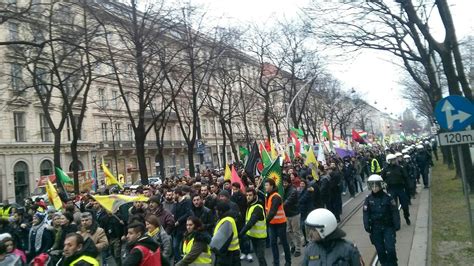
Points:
[(65, 230), (332, 250), (290, 201), (380, 210), (200, 245), (134, 256), (305, 203), (112, 226), (394, 175), (210, 202), (239, 198), (88, 249), (182, 211), (207, 218), (166, 219)]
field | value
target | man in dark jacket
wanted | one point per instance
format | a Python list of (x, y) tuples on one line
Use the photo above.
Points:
[(207, 217), (166, 218), (349, 176), (334, 203), (136, 237), (114, 229), (290, 205), (79, 250), (181, 213), (210, 200)]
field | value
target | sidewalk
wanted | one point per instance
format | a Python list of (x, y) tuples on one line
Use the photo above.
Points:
[(412, 241)]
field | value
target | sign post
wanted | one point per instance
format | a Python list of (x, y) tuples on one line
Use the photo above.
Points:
[(456, 113)]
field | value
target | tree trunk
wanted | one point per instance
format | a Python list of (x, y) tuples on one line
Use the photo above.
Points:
[(266, 117), (232, 142), (224, 141), (75, 170), (159, 154), (192, 171), (141, 158), (57, 148)]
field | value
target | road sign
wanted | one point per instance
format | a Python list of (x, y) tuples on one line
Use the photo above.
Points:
[(456, 138), (201, 147), (454, 113), (434, 130)]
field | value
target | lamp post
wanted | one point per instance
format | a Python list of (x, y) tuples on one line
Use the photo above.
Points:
[(293, 100)]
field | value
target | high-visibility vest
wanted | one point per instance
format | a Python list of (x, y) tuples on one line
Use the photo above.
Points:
[(203, 259), (5, 213), (259, 229), (234, 244), (280, 216), (88, 259), (375, 167)]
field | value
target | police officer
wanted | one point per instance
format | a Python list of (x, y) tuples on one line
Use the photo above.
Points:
[(327, 246), (397, 184), (381, 221), (423, 160), (374, 165), (410, 169)]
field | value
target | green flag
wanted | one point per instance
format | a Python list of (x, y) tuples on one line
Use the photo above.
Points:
[(274, 172), (243, 153), (62, 176), (298, 132)]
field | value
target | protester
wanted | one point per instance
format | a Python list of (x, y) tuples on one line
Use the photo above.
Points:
[(156, 232), (196, 241), (41, 236), (139, 245)]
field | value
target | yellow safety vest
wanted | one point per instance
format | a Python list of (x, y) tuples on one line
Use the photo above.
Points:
[(375, 167), (234, 244), (203, 259), (259, 229), (88, 259), (5, 213)]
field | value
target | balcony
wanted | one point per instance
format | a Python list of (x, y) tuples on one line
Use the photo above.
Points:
[(130, 145)]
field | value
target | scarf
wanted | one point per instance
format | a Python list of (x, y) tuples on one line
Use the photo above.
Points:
[(154, 232), (39, 228)]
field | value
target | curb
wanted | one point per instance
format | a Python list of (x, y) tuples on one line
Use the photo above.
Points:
[(420, 244)]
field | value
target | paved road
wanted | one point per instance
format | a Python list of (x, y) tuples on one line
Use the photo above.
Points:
[(348, 204)]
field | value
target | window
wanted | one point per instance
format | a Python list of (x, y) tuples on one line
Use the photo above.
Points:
[(45, 129), (118, 132), (46, 168), (102, 101), (130, 132), (204, 126), (13, 30), (70, 130), (20, 131), (115, 99), (38, 35), (17, 76), (21, 177), (41, 80), (104, 132), (80, 166)]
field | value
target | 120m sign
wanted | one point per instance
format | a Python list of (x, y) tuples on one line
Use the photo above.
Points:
[(456, 138)]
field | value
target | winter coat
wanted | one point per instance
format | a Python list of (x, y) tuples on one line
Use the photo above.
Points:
[(182, 211), (207, 218), (164, 243), (200, 245), (134, 255), (97, 235), (290, 201), (166, 219)]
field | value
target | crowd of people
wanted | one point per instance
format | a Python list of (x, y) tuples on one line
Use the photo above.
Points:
[(208, 220)]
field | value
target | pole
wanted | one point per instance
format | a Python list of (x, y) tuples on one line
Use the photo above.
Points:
[(466, 191), (291, 103)]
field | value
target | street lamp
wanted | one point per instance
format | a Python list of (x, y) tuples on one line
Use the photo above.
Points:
[(293, 100)]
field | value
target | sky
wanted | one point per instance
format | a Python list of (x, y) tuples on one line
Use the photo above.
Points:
[(375, 75)]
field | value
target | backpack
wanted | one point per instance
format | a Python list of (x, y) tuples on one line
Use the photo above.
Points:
[(149, 258)]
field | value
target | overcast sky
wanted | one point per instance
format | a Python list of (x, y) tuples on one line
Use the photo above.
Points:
[(373, 74)]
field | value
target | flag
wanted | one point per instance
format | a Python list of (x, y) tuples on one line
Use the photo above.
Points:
[(94, 180), (357, 137), (252, 162), (298, 132), (113, 202), (53, 196), (273, 151), (62, 176), (227, 173), (243, 153), (326, 134), (274, 172), (363, 134), (297, 143), (312, 163), (402, 136), (267, 161), (109, 177), (236, 178), (321, 155)]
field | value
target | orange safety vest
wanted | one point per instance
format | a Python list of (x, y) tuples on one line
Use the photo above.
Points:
[(280, 216)]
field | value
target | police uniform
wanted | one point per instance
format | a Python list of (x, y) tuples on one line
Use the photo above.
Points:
[(397, 184), (381, 221), (332, 251)]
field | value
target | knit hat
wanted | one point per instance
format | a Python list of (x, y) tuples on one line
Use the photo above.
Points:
[(155, 199), (224, 193), (40, 215), (5, 236)]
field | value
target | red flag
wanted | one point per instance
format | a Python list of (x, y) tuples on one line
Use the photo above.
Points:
[(236, 178), (297, 143), (357, 137), (268, 146)]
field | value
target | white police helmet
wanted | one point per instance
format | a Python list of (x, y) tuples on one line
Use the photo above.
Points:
[(322, 220), (420, 147), (375, 181), (375, 178), (406, 156), (405, 151), (390, 157), (398, 154)]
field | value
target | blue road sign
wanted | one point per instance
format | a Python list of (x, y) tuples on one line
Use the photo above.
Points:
[(454, 113)]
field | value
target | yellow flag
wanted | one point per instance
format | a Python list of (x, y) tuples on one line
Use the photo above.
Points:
[(109, 177), (227, 173), (53, 196), (312, 163), (273, 151), (113, 202)]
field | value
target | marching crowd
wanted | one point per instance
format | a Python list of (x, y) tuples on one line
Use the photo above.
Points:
[(208, 220)]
